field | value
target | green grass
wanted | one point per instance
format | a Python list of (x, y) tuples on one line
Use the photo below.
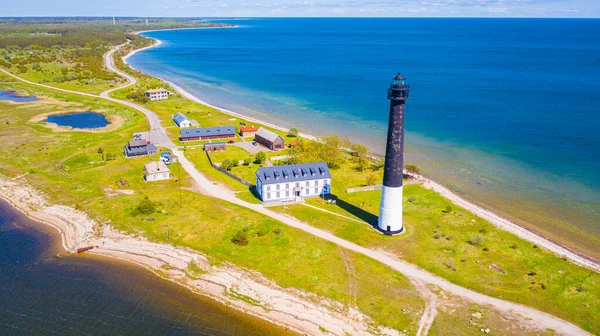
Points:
[(439, 242), (232, 153)]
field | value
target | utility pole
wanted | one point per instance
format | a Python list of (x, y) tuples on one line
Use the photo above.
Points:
[(179, 180)]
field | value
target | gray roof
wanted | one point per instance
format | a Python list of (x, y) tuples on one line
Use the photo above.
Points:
[(179, 118), (293, 173), (207, 131), (137, 143), (146, 149), (266, 134), (214, 144)]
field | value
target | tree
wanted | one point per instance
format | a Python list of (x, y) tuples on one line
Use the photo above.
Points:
[(293, 132), (361, 154), (371, 179), (413, 169), (260, 157), (247, 161), (226, 165)]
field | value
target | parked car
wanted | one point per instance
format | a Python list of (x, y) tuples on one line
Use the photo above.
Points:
[(230, 141), (254, 143)]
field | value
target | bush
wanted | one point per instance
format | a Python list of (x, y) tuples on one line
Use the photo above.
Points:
[(145, 207), (413, 169), (277, 231), (247, 161), (448, 209), (293, 132), (226, 165), (412, 199), (371, 179), (240, 238), (260, 157), (475, 240)]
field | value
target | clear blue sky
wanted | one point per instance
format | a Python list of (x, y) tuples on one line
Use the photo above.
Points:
[(328, 8)]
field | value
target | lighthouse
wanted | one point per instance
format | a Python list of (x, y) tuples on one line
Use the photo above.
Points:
[(390, 212)]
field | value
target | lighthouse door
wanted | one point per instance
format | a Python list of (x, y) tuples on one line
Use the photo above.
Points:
[(389, 228)]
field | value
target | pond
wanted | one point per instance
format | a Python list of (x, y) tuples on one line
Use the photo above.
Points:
[(14, 97), (83, 120)]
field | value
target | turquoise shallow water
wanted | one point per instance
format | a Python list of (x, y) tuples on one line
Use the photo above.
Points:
[(503, 111)]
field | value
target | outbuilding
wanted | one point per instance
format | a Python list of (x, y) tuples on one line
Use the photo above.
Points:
[(215, 147), (207, 133), (269, 139), (248, 131), (182, 120), (156, 171), (290, 182)]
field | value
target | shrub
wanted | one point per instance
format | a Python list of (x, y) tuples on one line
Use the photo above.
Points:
[(448, 209), (371, 179), (260, 233), (277, 231), (260, 157), (485, 249), (475, 240), (145, 207), (240, 238), (484, 230), (543, 286), (247, 161), (514, 246), (412, 199), (532, 273), (413, 169), (293, 132)]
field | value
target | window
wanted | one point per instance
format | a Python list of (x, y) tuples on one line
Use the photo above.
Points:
[(277, 187), (278, 195), (268, 195), (268, 188), (307, 183), (287, 193), (316, 183), (297, 184), (287, 186), (316, 190)]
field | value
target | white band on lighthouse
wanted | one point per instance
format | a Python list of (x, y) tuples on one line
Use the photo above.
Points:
[(390, 212)]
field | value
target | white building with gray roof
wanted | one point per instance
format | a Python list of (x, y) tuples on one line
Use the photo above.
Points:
[(292, 182)]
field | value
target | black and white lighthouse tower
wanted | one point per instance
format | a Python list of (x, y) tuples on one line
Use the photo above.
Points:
[(390, 213)]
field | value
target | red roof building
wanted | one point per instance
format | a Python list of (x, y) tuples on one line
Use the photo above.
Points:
[(248, 131)]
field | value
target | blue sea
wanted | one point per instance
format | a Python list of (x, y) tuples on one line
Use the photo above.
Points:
[(503, 111)]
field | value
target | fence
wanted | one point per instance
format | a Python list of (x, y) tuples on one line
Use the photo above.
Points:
[(242, 181), (367, 188)]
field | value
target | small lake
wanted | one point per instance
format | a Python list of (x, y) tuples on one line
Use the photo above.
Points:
[(14, 97), (79, 120)]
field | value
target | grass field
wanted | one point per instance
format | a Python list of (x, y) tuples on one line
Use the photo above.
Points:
[(69, 169), (466, 250)]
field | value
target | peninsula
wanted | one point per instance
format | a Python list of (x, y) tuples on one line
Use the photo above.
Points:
[(308, 265)]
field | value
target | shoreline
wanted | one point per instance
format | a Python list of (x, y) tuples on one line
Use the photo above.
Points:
[(495, 219), (228, 284)]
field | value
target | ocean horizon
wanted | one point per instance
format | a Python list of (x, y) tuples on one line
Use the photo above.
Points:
[(502, 111)]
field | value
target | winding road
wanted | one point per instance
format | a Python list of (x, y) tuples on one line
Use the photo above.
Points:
[(159, 136)]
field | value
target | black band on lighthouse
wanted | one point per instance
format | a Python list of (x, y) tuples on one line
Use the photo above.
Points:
[(394, 152)]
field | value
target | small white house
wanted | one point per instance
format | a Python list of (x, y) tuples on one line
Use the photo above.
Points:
[(156, 171), (157, 94), (293, 182), (182, 120)]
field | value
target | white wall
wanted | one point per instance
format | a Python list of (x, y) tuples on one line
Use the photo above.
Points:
[(287, 190)]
